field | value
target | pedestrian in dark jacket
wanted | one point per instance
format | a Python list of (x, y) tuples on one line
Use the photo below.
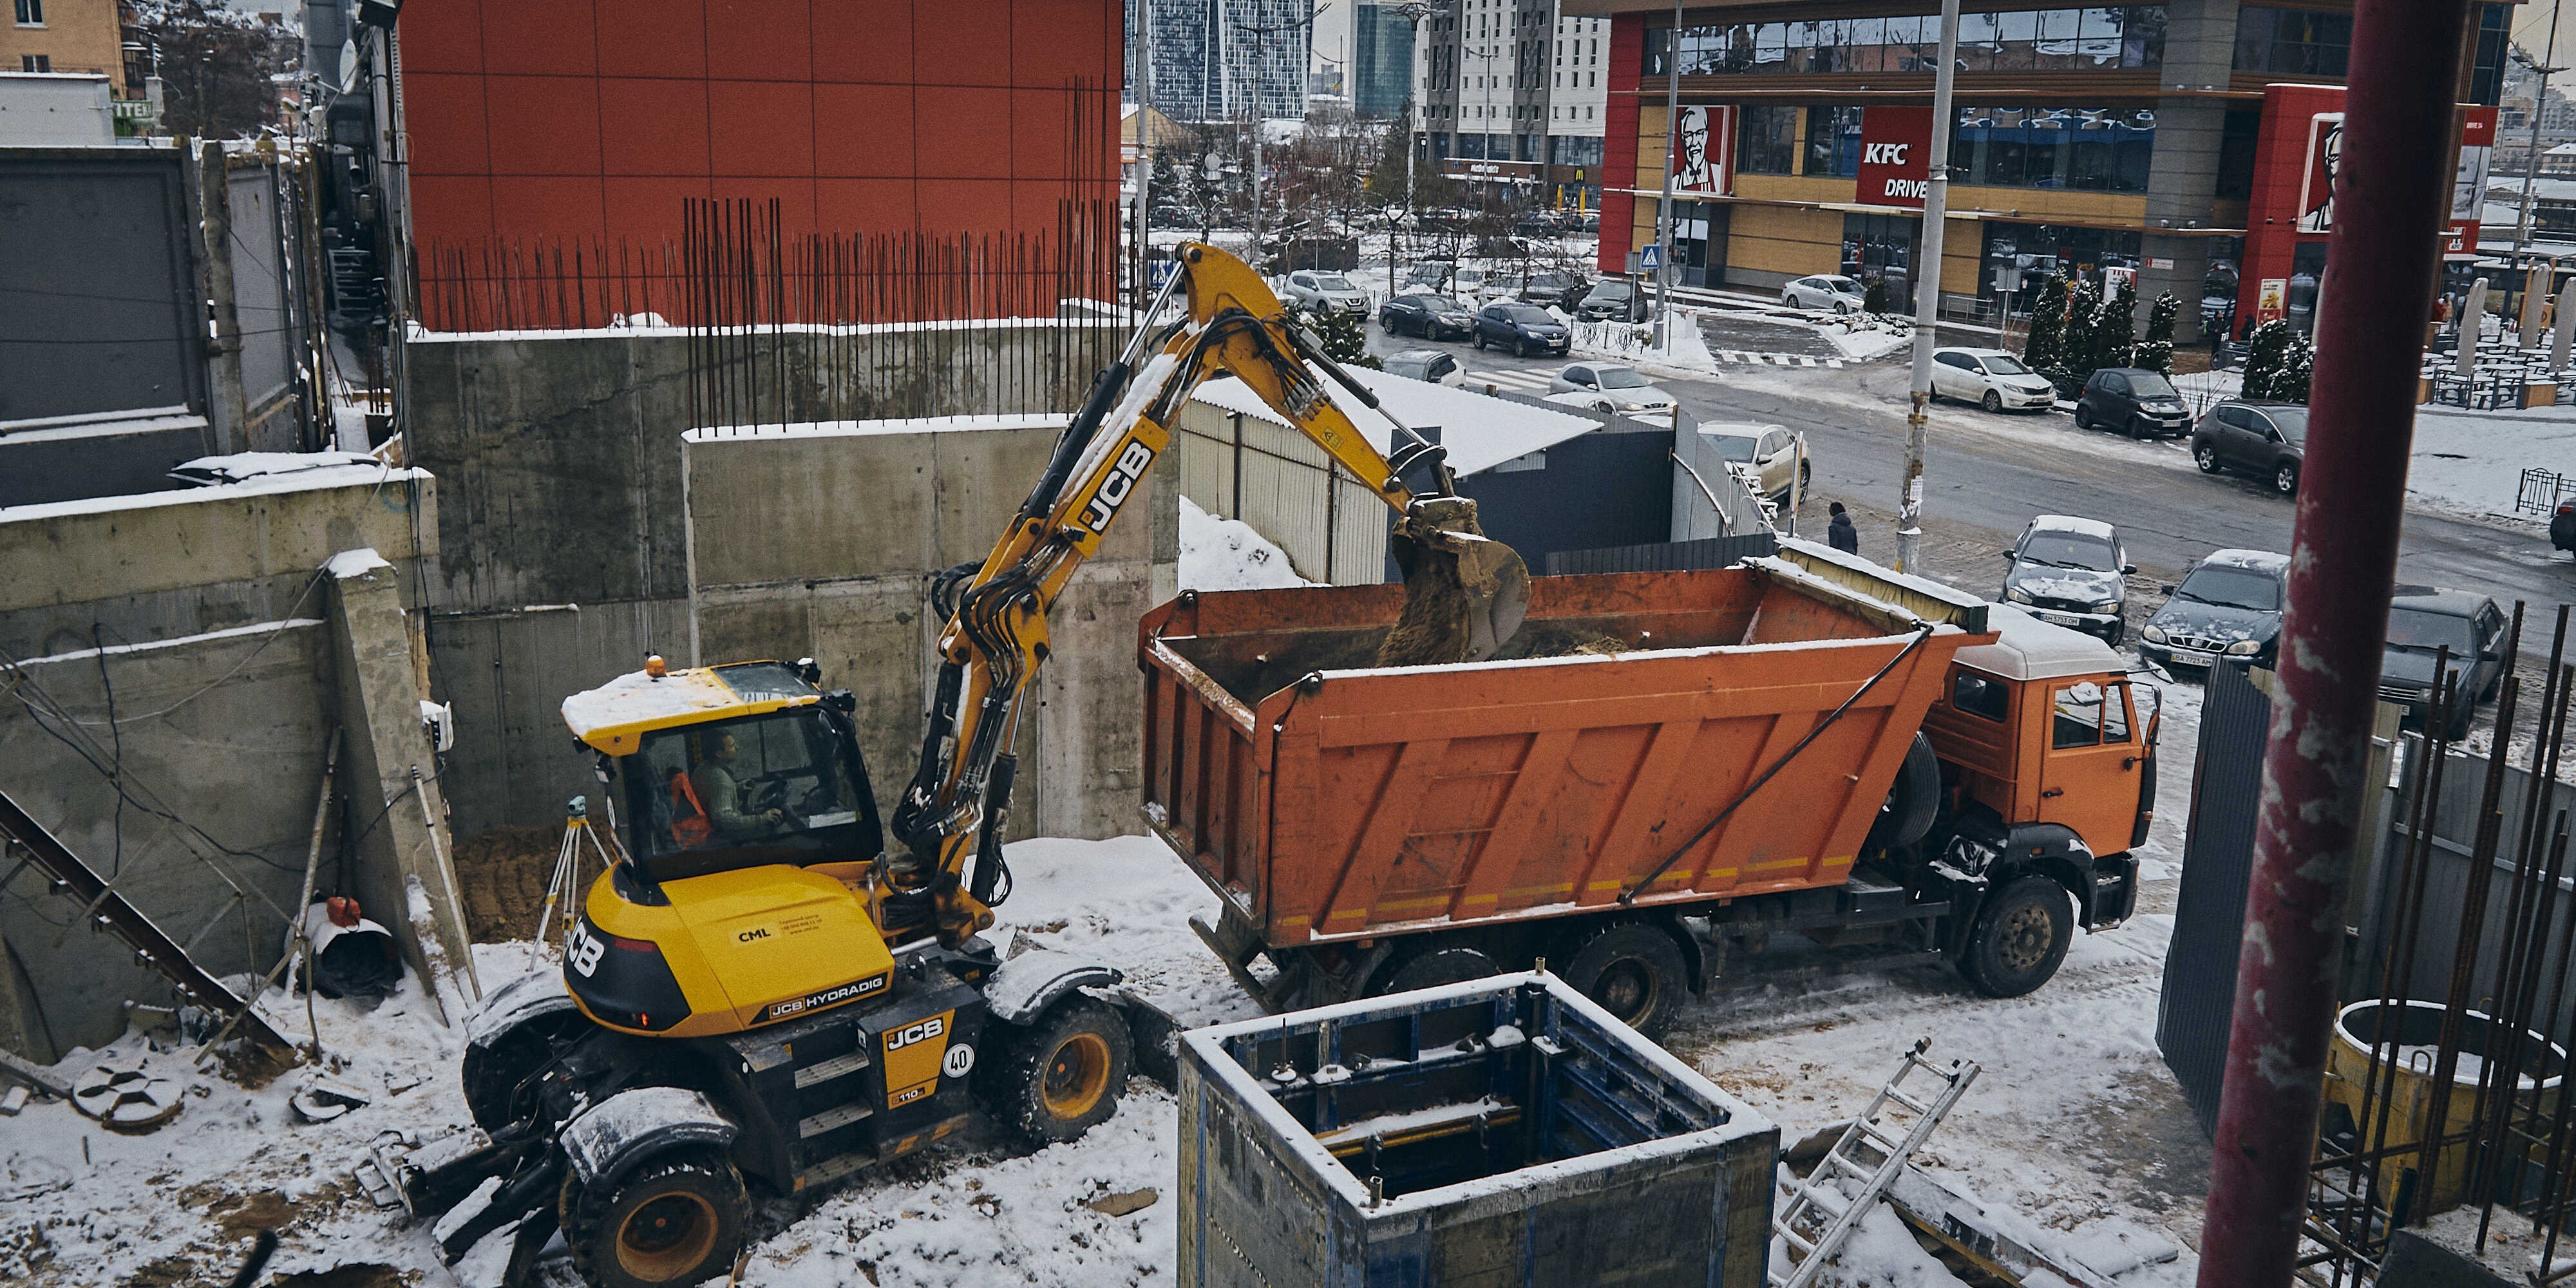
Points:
[(1843, 536)]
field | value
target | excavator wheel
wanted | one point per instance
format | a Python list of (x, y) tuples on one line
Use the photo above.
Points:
[(1061, 1076), (679, 1219)]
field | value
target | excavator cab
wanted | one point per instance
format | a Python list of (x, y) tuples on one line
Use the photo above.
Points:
[(728, 767)]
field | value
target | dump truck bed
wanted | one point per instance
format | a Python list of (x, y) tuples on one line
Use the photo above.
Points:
[(1329, 800)]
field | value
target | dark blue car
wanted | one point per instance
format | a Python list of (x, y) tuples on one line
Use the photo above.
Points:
[(1522, 328)]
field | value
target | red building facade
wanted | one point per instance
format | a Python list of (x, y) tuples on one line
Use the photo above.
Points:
[(592, 121)]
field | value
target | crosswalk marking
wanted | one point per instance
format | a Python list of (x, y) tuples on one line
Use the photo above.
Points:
[(1532, 380), (1539, 381), (1778, 359)]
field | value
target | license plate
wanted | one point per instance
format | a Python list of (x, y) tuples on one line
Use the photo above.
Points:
[(2061, 619), (2193, 657)]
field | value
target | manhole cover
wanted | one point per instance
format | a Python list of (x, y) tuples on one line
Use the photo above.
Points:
[(126, 1099)]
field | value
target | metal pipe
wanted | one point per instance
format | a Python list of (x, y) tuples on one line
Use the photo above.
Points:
[(2393, 193), (1664, 206)]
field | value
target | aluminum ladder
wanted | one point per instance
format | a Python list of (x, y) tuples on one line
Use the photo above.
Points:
[(1818, 1217)]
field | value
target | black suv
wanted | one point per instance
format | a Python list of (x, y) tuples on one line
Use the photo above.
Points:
[(1522, 328), (2421, 620), (2132, 401), (2265, 439), (1613, 299), (2228, 605)]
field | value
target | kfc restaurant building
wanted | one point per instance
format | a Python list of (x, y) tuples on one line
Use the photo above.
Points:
[(2174, 141)]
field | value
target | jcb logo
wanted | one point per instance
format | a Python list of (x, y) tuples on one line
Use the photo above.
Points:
[(922, 1032), (1885, 153), (582, 950), (1115, 489), (757, 932)]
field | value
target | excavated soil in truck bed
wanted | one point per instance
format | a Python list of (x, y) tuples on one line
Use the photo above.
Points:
[(1283, 661)]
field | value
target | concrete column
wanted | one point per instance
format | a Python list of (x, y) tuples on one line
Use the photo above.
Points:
[(402, 830), (19, 1031), (2182, 185)]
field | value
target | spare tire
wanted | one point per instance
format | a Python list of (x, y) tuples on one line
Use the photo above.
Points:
[(1911, 802)]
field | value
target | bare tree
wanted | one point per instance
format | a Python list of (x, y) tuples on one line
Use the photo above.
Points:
[(218, 66)]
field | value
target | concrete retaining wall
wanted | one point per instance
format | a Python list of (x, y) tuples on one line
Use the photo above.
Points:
[(821, 541), (558, 458), (192, 643)]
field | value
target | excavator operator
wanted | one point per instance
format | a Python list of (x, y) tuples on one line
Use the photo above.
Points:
[(719, 796)]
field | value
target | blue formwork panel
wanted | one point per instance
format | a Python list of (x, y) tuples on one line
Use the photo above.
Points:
[(1500, 1133)]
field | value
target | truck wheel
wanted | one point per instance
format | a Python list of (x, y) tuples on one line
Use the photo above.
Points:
[(1433, 967), (2020, 938), (1062, 1076), (493, 1072), (675, 1220), (1635, 971), (1911, 802)]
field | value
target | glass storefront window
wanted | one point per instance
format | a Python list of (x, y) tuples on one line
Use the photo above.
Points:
[(1766, 139), (2127, 37), (2083, 149), (1833, 141), (2295, 42)]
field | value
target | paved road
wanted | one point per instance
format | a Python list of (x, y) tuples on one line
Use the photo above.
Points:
[(1987, 475)]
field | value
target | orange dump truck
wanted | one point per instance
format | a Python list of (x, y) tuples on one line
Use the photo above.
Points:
[(1660, 770)]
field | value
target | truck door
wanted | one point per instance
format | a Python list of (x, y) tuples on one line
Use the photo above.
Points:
[(2089, 776)]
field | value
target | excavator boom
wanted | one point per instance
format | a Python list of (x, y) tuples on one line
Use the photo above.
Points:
[(1465, 593)]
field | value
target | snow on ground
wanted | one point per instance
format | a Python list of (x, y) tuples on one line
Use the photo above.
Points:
[(1228, 554), (2073, 1123), (2471, 462)]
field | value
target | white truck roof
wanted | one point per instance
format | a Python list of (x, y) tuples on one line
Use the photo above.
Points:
[(2035, 650)]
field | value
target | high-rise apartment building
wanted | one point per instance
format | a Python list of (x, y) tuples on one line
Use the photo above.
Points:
[(1381, 72), (1219, 60), (1520, 83)]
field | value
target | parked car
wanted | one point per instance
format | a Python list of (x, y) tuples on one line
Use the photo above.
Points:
[(1308, 289), (1612, 387), (1433, 317), (1990, 378), (1435, 366), (1522, 328), (1825, 292), (2071, 572), (1430, 275), (2228, 604), (1613, 299), (2562, 527), (2265, 439), (1560, 289), (2132, 401), (1776, 457), (2421, 620)]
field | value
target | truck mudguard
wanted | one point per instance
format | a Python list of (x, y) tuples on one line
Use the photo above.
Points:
[(610, 1138), (2053, 849)]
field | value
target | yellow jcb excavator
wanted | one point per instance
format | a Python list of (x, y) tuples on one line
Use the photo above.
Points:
[(762, 994)]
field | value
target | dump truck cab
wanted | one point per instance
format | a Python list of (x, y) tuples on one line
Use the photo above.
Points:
[(2043, 726)]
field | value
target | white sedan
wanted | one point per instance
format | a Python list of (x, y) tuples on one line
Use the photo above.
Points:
[(1990, 378), (1611, 387), (1825, 293)]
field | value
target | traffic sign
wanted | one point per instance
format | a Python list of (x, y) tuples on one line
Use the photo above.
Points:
[(1650, 258)]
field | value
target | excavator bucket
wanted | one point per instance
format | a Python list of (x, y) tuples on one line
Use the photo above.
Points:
[(1464, 592)]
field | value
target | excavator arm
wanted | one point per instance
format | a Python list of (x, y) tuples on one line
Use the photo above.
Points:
[(1465, 594)]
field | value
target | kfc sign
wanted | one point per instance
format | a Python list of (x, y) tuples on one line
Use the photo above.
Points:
[(1704, 152), (1895, 161)]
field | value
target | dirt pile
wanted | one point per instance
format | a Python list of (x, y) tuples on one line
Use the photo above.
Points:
[(502, 874), (1433, 629)]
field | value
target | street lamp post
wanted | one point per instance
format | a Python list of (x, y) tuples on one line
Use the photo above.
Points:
[(1664, 205), (1414, 12), (1927, 296)]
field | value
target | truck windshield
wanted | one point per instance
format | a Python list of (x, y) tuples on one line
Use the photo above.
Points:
[(767, 780), (2232, 588)]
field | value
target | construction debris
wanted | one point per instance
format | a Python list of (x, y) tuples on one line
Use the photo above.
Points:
[(125, 1098), (324, 1099), (1820, 1212)]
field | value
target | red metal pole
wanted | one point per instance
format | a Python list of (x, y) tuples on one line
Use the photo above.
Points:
[(2390, 197)]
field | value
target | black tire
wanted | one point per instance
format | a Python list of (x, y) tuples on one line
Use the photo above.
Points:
[(1634, 970), (675, 1220), (493, 1072), (2020, 938), (2205, 455), (2083, 420), (1806, 477), (1386, 321), (1060, 1077), (1992, 401), (2285, 478), (1434, 965), (2140, 430), (1911, 802), (1480, 340)]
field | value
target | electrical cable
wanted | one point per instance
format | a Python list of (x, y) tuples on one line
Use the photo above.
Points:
[(266, 640)]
